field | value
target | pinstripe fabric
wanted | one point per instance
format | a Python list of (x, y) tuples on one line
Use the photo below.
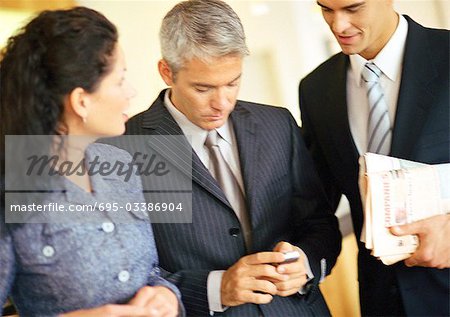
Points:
[(284, 201)]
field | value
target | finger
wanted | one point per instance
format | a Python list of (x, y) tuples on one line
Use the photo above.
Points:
[(283, 247), (293, 284), (292, 268), (159, 310), (423, 256), (289, 277), (266, 271), (165, 301), (160, 306), (168, 311), (288, 292), (410, 262), (142, 297), (256, 298), (263, 286), (170, 314), (417, 227), (263, 258), (120, 311), (403, 230)]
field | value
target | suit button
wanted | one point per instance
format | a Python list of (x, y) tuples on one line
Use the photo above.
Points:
[(234, 232)]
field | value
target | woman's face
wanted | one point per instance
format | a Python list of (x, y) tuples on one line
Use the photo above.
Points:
[(108, 103)]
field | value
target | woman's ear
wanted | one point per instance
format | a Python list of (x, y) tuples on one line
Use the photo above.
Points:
[(79, 103), (166, 72)]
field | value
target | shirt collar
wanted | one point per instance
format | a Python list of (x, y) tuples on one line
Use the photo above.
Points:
[(225, 131), (389, 59)]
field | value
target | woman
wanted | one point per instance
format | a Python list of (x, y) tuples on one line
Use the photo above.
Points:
[(63, 77)]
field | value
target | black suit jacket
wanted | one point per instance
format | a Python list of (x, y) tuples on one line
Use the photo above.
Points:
[(284, 198), (421, 133)]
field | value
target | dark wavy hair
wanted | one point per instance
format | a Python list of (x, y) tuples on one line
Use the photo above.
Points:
[(53, 54)]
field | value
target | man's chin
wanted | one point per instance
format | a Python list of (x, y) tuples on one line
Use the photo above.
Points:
[(211, 125), (349, 50)]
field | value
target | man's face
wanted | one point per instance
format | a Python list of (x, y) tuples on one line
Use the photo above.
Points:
[(360, 26), (205, 93)]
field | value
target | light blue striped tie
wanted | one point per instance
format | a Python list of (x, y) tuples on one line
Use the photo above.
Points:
[(379, 130)]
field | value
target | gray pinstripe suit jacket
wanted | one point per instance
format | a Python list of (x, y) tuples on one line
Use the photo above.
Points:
[(284, 198)]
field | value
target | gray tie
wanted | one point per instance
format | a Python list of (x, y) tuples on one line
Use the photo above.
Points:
[(221, 171), (379, 130)]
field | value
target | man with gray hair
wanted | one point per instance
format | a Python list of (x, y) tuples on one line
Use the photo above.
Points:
[(256, 200)]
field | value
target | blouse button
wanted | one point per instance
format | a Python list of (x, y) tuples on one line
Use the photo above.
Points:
[(48, 251), (108, 227), (124, 276)]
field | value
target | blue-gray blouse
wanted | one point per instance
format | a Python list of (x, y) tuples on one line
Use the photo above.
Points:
[(60, 266)]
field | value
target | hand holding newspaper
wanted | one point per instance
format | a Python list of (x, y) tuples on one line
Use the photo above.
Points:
[(396, 192)]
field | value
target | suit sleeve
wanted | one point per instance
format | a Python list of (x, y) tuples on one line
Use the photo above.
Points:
[(157, 280), (332, 192), (317, 229), (193, 286)]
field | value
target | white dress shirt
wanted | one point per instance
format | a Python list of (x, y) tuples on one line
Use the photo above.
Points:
[(389, 60)]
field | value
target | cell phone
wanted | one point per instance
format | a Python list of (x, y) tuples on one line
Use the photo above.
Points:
[(290, 256)]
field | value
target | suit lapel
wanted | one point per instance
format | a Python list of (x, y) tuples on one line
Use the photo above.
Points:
[(416, 91), (336, 112), (245, 129), (160, 121)]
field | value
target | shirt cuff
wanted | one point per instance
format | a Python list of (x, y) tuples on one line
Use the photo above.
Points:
[(214, 296), (309, 273)]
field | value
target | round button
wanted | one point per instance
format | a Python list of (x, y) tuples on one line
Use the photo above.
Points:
[(48, 251), (234, 232), (108, 227), (124, 276)]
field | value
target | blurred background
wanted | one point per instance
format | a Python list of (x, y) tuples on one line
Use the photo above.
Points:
[(287, 40)]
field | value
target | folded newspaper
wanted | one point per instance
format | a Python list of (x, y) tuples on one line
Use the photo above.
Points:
[(396, 192)]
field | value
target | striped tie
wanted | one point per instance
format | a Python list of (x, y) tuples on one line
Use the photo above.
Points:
[(379, 130)]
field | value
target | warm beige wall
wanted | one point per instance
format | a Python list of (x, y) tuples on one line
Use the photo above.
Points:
[(287, 39), (35, 5)]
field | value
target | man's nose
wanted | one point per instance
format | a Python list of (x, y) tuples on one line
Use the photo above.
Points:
[(340, 22)]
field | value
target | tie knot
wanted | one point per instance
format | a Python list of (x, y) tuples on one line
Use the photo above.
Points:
[(371, 73), (211, 138)]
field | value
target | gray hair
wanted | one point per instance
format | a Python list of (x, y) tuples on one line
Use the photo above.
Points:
[(200, 29)]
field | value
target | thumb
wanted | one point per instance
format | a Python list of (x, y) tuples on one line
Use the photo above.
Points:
[(411, 228)]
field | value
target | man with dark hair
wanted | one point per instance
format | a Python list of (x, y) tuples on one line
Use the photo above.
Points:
[(387, 92)]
